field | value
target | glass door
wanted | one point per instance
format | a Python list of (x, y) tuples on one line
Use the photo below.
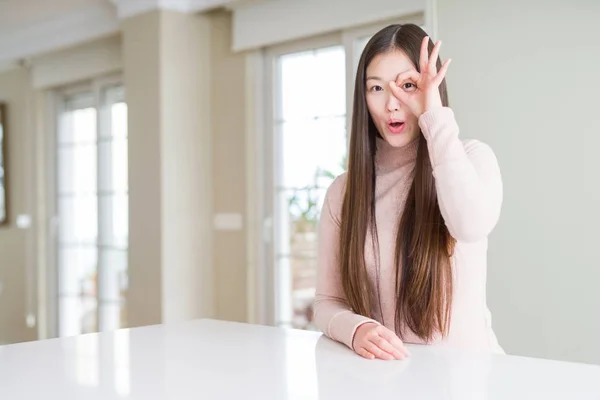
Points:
[(92, 209), (310, 151)]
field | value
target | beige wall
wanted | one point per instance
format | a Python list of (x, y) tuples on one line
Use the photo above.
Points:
[(227, 95), (166, 65), (186, 156), (216, 103), (15, 244), (142, 73), (522, 79), (86, 61)]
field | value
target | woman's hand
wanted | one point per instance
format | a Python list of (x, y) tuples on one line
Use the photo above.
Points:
[(419, 91), (376, 341)]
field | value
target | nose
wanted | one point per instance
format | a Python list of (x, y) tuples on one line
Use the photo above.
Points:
[(392, 103)]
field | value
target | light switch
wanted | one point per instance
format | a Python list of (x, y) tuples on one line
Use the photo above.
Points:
[(228, 222)]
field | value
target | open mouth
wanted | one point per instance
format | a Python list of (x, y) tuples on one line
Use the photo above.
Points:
[(396, 126)]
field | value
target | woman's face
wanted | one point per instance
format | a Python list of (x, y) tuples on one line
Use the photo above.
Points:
[(394, 121)]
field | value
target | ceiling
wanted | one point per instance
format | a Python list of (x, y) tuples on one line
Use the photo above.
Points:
[(32, 27), (18, 14)]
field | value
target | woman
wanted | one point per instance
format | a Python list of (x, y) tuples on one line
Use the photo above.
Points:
[(403, 234)]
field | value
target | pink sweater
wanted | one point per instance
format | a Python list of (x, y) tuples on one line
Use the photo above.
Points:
[(469, 188)]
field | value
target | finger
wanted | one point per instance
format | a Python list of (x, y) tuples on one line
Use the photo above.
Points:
[(377, 352), (433, 58), (386, 346), (365, 354), (424, 58), (398, 92), (442, 74), (408, 75), (397, 343), (394, 340)]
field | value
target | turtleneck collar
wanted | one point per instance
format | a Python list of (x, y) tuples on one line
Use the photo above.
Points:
[(388, 158)]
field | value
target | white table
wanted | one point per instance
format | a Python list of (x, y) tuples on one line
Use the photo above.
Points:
[(209, 359)]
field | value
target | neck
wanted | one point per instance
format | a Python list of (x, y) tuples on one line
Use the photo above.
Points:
[(389, 158)]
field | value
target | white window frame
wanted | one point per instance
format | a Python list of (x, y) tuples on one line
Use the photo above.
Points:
[(55, 102), (261, 159)]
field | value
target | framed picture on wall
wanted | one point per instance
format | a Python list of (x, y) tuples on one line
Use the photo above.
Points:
[(3, 151)]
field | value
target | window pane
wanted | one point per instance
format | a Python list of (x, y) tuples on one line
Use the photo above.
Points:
[(78, 126), (304, 273), (77, 270), (296, 72), (313, 151), (78, 315), (310, 145), (297, 277), (313, 83), (303, 212), (115, 220), (77, 168), (113, 154), (283, 292), (78, 219), (329, 82), (119, 120), (298, 218), (113, 273), (112, 316)]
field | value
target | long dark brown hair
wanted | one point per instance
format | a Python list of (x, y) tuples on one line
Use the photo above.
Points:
[(423, 244)]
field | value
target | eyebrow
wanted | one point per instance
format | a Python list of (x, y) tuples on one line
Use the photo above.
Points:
[(374, 78)]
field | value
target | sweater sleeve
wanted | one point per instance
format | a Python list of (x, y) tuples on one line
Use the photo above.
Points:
[(467, 177), (332, 314)]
